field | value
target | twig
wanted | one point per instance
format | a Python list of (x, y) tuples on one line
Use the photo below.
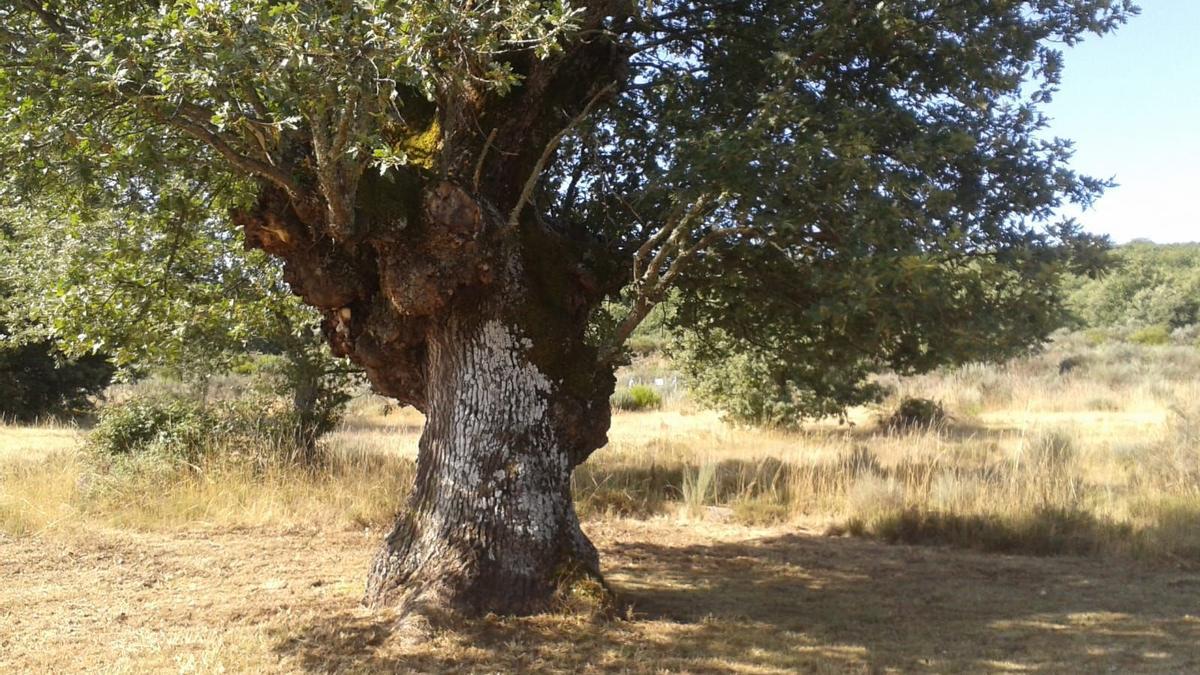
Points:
[(482, 155), (530, 183)]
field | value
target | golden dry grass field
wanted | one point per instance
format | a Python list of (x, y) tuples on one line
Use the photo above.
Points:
[(1051, 525)]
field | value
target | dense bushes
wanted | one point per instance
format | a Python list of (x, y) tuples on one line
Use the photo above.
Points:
[(761, 388), (172, 426), (36, 382), (187, 429), (1153, 285)]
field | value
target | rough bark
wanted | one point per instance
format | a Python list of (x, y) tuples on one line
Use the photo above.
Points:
[(480, 326), (491, 525)]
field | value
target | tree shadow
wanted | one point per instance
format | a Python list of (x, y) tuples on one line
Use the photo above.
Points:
[(805, 603), (956, 430)]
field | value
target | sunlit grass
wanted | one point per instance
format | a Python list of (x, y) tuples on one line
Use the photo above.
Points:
[(1029, 455), (68, 491)]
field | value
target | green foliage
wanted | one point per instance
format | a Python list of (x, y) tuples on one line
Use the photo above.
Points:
[(177, 427), (637, 397), (317, 397), (1152, 336), (36, 381), (838, 212), (188, 429), (877, 191), (763, 385), (252, 73), (186, 298), (1151, 286)]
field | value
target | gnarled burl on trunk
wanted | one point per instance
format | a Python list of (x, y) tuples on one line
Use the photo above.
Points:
[(455, 298)]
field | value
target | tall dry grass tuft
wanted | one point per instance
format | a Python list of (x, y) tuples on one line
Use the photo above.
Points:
[(228, 488)]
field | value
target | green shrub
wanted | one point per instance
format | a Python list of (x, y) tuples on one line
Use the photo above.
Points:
[(169, 425), (637, 397), (762, 387), (36, 381), (1153, 336), (186, 429)]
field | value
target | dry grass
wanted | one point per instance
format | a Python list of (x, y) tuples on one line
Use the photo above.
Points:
[(1005, 474), (66, 493), (1029, 463), (719, 599), (708, 529)]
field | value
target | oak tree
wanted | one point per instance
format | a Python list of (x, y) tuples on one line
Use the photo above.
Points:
[(459, 186), (171, 288)]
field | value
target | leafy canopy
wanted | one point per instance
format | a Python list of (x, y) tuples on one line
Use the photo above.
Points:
[(179, 295), (828, 187)]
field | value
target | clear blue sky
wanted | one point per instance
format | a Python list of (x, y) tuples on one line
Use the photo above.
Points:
[(1131, 102)]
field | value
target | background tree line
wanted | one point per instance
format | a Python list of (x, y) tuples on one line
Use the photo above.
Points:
[(1150, 286), (117, 297)]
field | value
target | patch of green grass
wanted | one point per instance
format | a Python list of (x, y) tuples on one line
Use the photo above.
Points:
[(1151, 336), (637, 397)]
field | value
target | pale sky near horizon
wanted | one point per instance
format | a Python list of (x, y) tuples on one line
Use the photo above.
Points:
[(1131, 102)]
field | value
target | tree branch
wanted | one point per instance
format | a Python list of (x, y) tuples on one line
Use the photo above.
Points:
[(51, 20), (652, 284), (202, 133), (515, 217), (483, 155)]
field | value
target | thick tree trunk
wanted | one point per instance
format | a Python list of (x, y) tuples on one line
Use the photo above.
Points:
[(444, 282), (491, 525), (479, 324)]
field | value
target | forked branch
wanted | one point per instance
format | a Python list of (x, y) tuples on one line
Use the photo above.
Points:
[(652, 282)]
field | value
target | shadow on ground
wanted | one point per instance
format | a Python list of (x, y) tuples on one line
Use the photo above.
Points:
[(808, 603)]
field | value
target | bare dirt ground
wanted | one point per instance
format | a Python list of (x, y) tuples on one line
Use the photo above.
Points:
[(705, 598)]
